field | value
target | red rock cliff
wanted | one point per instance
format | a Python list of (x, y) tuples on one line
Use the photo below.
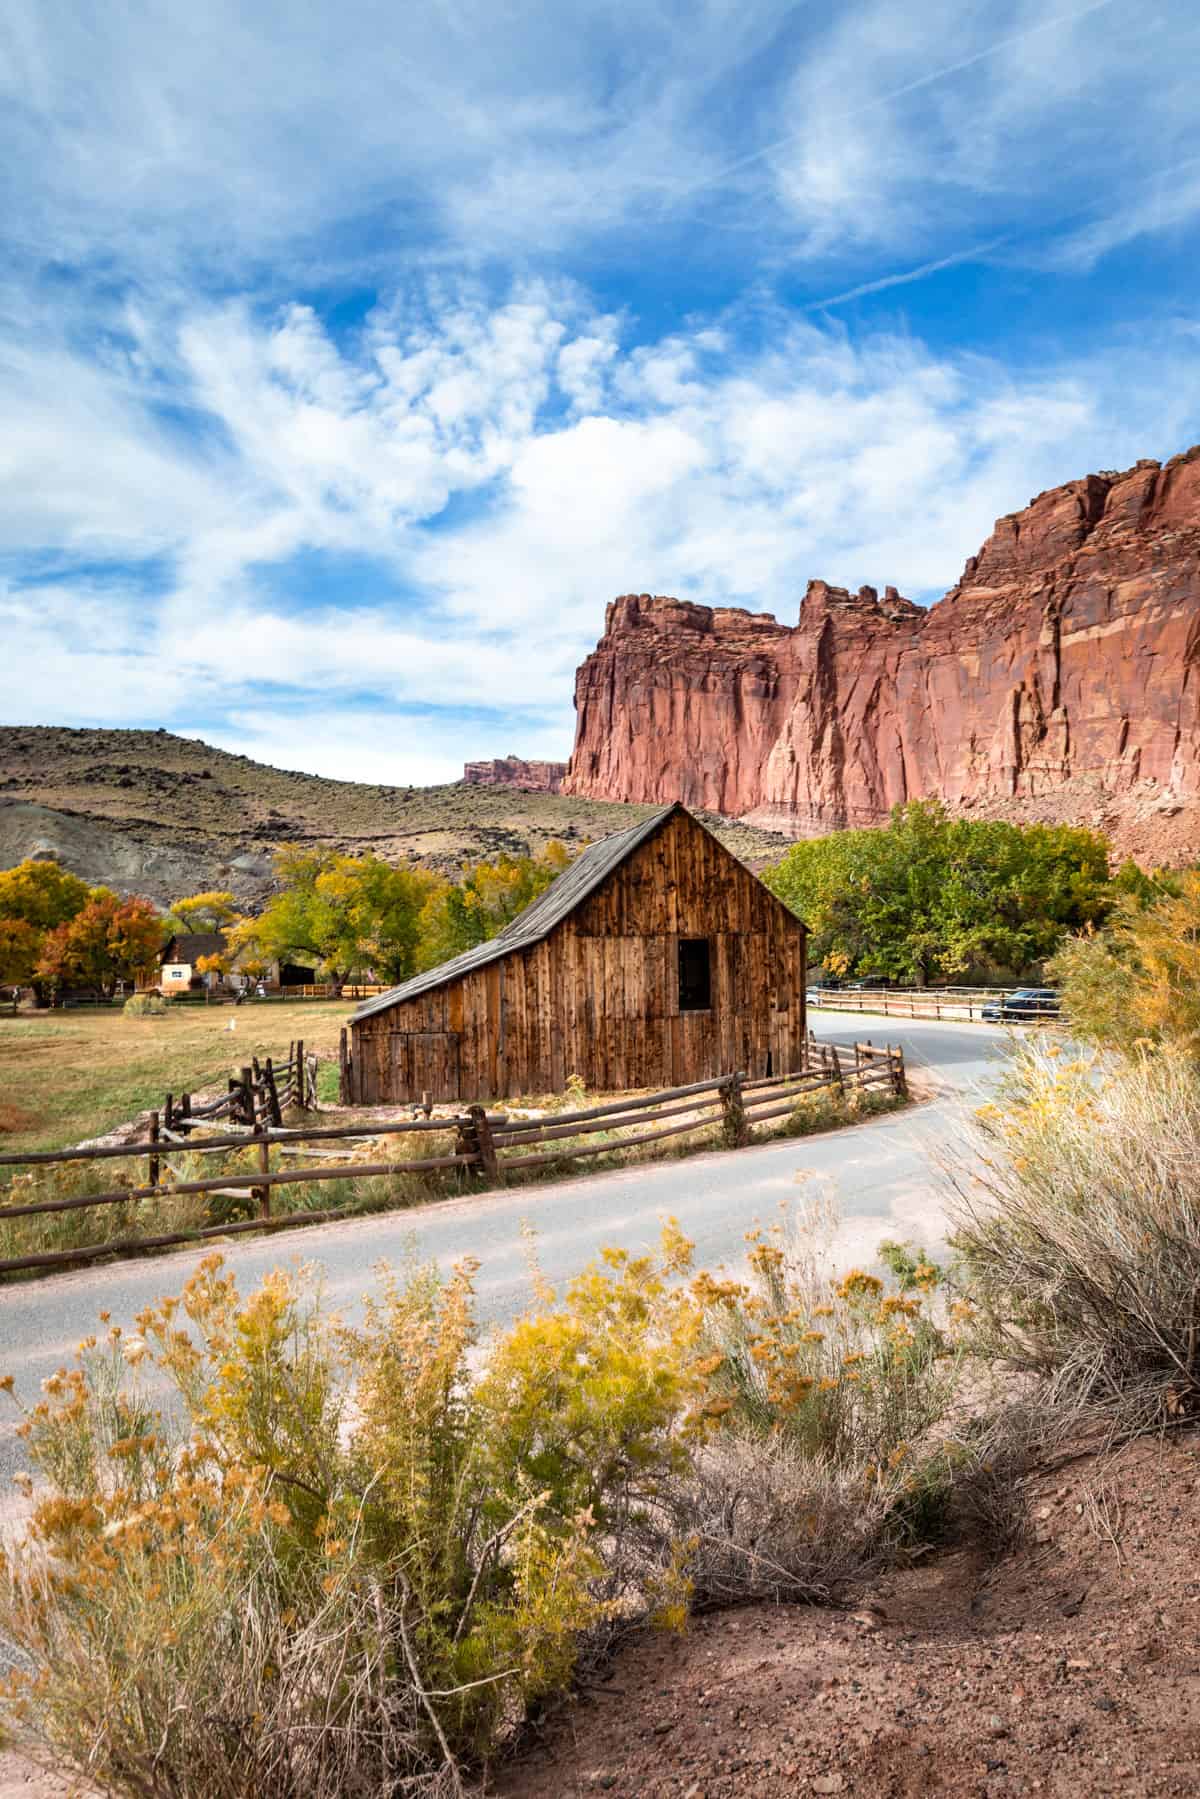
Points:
[(1059, 678), (514, 771)]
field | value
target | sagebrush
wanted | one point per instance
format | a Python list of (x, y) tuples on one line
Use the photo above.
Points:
[(352, 1560)]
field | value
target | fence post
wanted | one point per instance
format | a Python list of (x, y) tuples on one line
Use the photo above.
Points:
[(299, 1084), (734, 1129), (899, 1075), (169, 1113), (838, 1078), (484, 1144), (271, 1094), (343, 1069), (262, 1194), (153, 1157), (248, 1109)]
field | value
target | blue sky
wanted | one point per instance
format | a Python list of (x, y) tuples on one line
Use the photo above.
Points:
[(353, 357)]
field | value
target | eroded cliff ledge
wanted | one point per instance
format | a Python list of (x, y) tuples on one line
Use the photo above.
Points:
[(1057, 680)]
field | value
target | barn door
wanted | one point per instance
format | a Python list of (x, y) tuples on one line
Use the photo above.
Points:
[(423, 1062)]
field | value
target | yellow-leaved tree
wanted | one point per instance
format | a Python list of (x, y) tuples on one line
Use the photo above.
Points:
[(1138, 981)]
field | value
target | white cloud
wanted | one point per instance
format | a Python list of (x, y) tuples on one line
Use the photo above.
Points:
[(695, 466), (921, 126)]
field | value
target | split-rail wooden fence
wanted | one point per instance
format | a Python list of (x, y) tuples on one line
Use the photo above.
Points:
[(491, 1144), (932, 1002)]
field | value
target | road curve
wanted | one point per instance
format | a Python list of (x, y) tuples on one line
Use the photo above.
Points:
[(881, 1176)]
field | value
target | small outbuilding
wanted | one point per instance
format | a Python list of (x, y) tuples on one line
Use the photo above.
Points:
[(656, 959)]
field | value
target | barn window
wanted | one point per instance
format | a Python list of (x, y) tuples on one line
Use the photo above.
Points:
[(695, 980)]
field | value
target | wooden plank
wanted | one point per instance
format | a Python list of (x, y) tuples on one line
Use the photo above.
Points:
[(607, 1149), (513, 1135), (611, 1107)]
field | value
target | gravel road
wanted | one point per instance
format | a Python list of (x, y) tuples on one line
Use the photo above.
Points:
[(881, 1175)]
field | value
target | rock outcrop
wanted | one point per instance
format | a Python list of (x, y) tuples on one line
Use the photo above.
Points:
[(514, 771), (1058, 679)]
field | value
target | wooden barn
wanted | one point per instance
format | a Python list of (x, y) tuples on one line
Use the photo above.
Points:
[(654, 960)]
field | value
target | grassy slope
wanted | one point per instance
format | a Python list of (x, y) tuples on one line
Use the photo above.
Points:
[(175, 796), (69, 1076)]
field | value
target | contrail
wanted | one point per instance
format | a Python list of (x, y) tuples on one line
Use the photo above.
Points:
[(909, 87), (926, 268)]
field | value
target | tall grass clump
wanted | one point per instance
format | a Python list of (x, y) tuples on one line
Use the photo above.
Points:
[(1081, 1238), (167, 1211)]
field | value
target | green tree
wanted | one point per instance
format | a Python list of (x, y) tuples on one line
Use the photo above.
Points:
[(489, 896), (934, 896), (347, 913)]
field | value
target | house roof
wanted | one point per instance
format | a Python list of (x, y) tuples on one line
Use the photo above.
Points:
[(189, 946), (559, 900)]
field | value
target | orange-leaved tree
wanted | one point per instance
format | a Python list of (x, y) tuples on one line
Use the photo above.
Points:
[(109, 940)]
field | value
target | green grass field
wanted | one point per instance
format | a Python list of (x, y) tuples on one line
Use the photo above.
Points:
[(69, 1076)]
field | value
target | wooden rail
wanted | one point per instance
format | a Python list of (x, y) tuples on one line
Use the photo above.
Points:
[(930, 1002), (483, 1143)]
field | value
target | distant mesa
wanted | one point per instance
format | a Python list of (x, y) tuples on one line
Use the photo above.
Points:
[(514, 771), (1058, 681)]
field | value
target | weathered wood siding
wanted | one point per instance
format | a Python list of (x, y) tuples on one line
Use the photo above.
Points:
[(599, 996)]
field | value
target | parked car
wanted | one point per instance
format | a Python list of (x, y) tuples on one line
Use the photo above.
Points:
[(818, 984), (1025, 1006)]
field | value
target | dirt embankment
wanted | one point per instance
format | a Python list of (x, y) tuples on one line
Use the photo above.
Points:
[(1071, 1667)]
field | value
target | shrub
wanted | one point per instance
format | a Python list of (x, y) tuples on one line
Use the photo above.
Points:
[(1082, 1241), (1139, 981), (826, 1109), (852, 1372), (350, 1560), (145, 1005), (341, 1561)]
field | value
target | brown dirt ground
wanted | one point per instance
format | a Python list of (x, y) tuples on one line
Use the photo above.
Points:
[(1069, 1668)]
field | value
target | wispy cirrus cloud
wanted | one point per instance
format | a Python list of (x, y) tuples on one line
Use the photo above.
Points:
[(351, 359)]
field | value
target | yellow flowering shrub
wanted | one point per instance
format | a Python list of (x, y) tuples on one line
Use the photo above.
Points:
[(854, 1370), (338, 1559)]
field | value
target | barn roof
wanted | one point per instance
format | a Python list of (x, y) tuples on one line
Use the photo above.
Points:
[(559, 900), (189, 946)]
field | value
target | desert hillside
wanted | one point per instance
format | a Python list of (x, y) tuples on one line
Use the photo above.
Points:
[(149, 812)]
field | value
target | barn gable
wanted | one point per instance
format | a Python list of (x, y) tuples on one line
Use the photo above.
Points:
[(655, 959), (592, 866)]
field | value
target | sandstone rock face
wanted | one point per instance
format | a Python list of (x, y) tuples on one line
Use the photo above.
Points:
[(513, 771), (1058, 679)]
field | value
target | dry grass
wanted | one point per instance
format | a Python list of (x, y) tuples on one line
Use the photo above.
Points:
[(1081, 1242), (69, 1076)]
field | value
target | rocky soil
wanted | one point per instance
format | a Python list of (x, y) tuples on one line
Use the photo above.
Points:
[(1057, 680), (1071, 1667), (148, 812)]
